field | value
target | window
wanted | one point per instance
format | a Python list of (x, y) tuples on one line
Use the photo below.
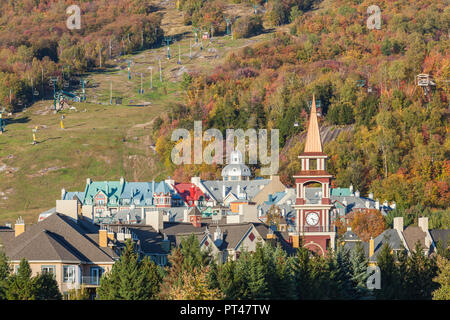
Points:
[(69, 274), (48, 269), (96, 274)]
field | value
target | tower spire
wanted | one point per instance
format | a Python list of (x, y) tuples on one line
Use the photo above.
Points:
[(313, 141)]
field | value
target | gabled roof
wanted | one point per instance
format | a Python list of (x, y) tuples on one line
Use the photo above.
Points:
[(413, 235), (74, 195), (162, 187), (313, 141), (150, 241), (141, 191), (112, 189), (250, 187), (441, 235), (59, 238), (189, 192), (389, 236)]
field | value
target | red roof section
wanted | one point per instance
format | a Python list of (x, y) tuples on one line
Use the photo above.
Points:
[(189, 192)]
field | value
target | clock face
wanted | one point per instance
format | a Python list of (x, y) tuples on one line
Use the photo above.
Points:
[(312, 218)]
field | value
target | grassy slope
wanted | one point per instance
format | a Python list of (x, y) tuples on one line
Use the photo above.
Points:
[(91, 144)]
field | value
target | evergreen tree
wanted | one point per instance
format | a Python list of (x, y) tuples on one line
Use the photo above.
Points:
[(389, 274), (172, 277), (419, 276), (130, 278), (228, 280), (4, 274), (359, 270), (20, 285), (46, 287), (443, 279), (302, 274), (340, 274), (282, 283), (193, 256)]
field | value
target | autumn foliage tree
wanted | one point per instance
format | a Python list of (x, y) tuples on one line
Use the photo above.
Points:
[(368, 223)]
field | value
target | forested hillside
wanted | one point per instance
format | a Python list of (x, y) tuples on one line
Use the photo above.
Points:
[(366, 78), (35, 43)]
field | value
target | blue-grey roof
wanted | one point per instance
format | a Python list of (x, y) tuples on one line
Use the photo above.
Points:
[(250, 187), (274, 198), (139, 193), (162, 187), (71, 195), (389, 236)]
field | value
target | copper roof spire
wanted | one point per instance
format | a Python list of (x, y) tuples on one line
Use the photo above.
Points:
[(313, 142)]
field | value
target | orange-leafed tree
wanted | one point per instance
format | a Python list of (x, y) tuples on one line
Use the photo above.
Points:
[(367, 223)]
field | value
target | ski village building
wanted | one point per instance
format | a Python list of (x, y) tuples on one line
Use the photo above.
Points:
[(82, 237)]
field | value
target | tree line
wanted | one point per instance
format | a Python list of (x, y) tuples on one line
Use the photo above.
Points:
[(267, 273)]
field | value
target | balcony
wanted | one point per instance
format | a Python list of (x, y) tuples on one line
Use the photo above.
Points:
[(90, 281), (317, 229)]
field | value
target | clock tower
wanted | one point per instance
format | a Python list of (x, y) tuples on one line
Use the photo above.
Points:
[(313, 204)]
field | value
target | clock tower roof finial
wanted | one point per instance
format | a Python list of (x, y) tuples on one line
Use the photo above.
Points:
[(313, 141)]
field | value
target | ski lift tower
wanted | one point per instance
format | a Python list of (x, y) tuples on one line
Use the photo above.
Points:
[(53, 81), (196, 30), (168, 40), (424, 80), (228, 21)]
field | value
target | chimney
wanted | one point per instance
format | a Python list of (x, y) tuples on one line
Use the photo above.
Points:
[(423, 224), (19, 227), (155, 220), (296, 241), (88, 181), (224, 191), (398, 224), (68, 208), (165, 244), (351, 189), (385, 203), (349, 228), (357, 194), (122, 180), (121, 235), (248, 213), (111, 235), (393, 205), (344, 202), (218, 237), (283, 212), (127, 234), (371, 195), (103, 237), (371, 247), (377, 204), (63, 193), (367, 204), (271, 235)]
